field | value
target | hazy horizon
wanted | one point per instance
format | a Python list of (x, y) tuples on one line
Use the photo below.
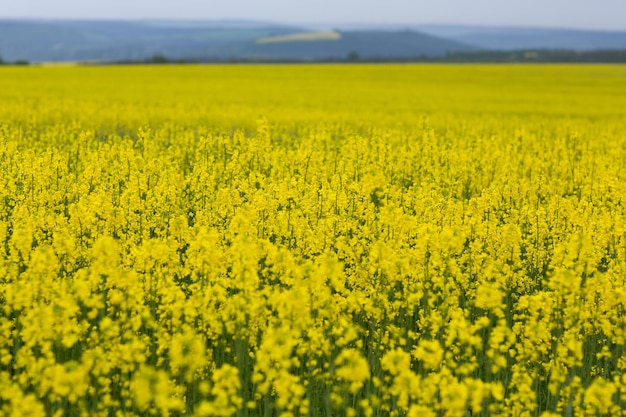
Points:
[(577, 14)]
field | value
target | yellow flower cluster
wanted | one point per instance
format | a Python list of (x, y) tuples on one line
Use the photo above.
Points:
[(389, 241)]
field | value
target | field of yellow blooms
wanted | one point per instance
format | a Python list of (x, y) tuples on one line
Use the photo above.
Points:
[(409, 240)]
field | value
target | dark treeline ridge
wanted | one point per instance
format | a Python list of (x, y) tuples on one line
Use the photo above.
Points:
[(548, 56), (18, 62), (517, 56)]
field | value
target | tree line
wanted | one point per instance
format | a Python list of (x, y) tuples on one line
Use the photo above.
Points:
[(516, 56)]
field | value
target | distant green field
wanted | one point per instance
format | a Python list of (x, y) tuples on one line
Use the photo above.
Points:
[(302, 36)]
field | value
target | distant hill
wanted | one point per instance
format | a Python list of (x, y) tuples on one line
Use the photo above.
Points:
[(41, 40), (345, 44), (511, 38), (132, 41)]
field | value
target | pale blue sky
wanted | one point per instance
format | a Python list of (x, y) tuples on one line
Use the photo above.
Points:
[(596, 14)]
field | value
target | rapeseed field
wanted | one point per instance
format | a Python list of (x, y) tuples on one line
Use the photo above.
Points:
[(410, 240)]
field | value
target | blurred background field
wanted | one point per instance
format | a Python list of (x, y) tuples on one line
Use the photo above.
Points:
[(232, 96)]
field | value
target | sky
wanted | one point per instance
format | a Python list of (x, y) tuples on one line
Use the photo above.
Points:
[(580, 14)]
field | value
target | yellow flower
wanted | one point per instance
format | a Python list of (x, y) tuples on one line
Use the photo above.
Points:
[(429, 352), (352, 368)]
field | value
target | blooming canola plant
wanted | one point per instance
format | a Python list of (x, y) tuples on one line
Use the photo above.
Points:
[(380, 240)]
